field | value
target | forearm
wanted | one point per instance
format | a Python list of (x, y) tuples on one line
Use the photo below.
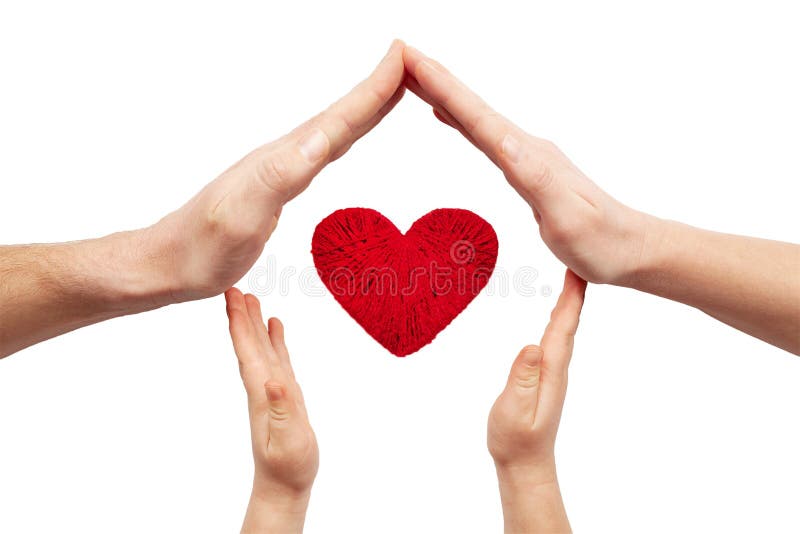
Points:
[(275, 513), (47, 290), (531, 500), (751, 284)]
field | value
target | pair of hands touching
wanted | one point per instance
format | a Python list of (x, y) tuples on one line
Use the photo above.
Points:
[(230, 220), (207, 245), (521, 434)]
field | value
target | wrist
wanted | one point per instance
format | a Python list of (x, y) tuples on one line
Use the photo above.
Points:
[(526, 476), (644, 234), (276, 510), (531, 498), (127, 272)]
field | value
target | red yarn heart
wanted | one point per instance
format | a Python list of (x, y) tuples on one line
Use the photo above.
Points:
[(404, 288)]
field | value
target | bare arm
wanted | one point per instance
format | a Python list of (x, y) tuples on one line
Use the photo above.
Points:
[(285, 451), (524, 422), (47, 290), (750, 284), (197, 251)]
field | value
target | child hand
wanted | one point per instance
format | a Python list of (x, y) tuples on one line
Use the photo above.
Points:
[(524, 420), (285, 449)]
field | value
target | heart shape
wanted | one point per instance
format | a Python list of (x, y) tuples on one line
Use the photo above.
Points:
[(404, 289)]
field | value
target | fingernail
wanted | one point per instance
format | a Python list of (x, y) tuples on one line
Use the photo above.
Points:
[(511, 148), (531, 356), (389, 52), (274, 392), (314, 145)]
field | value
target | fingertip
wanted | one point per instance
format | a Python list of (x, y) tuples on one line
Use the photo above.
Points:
[(275, 329), (575, 283), (394, 54), (233, 292), (531, 355), (442, 118), (252, 302), (397, 44), (233, 298), (412, 57), (526, 370), (239, 324)]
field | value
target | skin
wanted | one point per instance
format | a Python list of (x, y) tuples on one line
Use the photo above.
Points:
[(604, 241), (203, 248), (198, 251), (524, 421), (285, 452)]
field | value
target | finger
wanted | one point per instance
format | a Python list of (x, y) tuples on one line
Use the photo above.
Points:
[(442, 117), (276, 338), (378, 117), (559, 336), (267, 351), (445, 91), (521, 394), (245, 344), (353, 115), (519, 155), (440, 113), (288, 166), (276, 334)]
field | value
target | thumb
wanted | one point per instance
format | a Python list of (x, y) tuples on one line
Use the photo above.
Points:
[(288, 166), (522, 388), (280, 409)]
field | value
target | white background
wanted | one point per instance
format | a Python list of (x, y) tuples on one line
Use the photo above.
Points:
[(112, 115)]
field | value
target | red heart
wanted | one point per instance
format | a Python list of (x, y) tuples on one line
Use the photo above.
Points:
[(404, 288)]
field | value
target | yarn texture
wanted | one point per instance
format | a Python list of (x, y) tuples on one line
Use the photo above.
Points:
[(404, 289)]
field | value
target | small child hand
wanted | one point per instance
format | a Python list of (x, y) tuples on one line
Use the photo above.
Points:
[(524, 420), (285, 449)]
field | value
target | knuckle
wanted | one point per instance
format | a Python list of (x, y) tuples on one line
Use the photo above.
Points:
[(347, 126), (278, 414), (482, 122), (540, 175), (382, 92), (566, 231), (547, 146), (220, 225), (528, 379), (558, 375), (274, 172)]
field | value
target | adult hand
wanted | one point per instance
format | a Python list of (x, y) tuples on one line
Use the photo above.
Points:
[(198, 251), (218, 235), (604, 241), (593, 234), (284, 446), (524, 421)]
